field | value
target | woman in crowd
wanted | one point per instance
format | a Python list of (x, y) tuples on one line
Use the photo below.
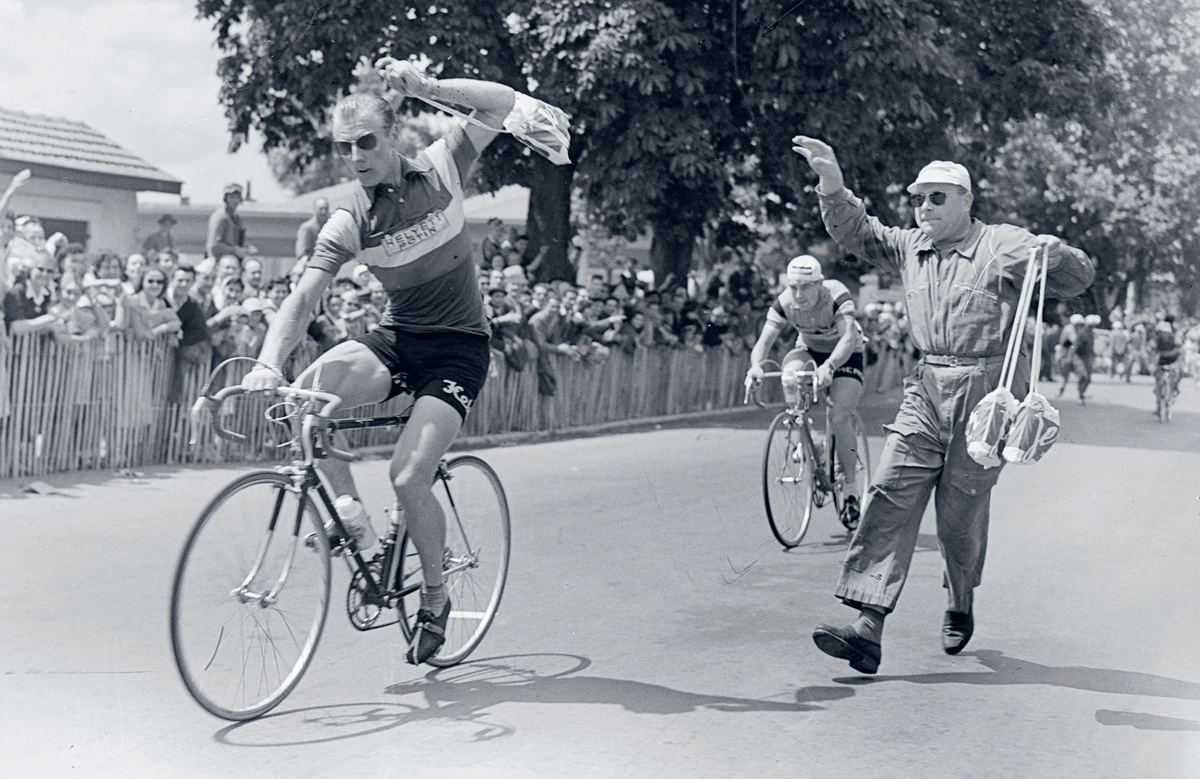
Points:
[(104, 291), (27, 303), (148, 312), (135, 266)]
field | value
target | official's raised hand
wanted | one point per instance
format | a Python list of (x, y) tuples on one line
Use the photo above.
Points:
[(1051, 242), (822, 160), (403, 76)]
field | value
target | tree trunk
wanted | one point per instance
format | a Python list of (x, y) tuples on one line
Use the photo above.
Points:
[(548, 223), (671, 251)]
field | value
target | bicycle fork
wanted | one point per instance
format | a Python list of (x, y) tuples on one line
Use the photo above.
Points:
[(243, 592)]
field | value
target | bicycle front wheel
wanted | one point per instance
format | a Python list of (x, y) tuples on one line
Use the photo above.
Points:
[(475, 563), (788, 473), (250, 596), (1162, 396), (854, 484)]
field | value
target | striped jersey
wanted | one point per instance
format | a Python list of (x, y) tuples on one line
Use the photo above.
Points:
[(412, 240), (816, 327)]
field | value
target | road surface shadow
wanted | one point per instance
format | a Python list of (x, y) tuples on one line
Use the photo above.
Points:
[(1142, 721), (1011, 670), (464, 694), (481, 684)]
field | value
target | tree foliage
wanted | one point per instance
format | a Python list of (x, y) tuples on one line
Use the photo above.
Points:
[(683, 111), (1122, 182)]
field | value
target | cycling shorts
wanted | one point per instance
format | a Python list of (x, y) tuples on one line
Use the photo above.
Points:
[(451, 367), (851, 369)]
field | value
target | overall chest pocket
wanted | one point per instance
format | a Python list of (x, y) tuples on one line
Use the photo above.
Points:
[(971, 302)]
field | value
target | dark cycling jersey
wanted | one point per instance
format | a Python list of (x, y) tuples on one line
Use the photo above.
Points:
[(413, 241), (1166, 347)]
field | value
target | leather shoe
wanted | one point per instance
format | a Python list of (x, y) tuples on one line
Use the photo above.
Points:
[(845, 644), (956, 631)]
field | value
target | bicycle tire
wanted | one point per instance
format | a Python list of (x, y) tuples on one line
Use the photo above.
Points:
[(1162, 392), (862, 470), (238, 651), (787, 479), (478, 540)]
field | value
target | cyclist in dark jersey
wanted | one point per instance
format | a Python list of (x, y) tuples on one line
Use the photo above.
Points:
[(1165, 346), (406, 224)]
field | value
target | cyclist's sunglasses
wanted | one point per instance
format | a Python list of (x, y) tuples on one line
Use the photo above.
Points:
[(366, 143), (917, 199)]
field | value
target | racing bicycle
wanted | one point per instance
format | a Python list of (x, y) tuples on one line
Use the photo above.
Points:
[(252, 585), (800, 476), (1166, 390)]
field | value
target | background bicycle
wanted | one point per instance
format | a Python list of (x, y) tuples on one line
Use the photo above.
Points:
[(252, 585), (1166, 390), (800, 476)]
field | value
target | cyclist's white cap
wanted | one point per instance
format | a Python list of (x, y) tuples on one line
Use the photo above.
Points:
[(804, 268), (1163, 326), (1092, 319), (942, 172), (1076, 319)]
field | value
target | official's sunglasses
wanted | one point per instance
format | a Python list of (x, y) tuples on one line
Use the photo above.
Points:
[(366, 143), (917, 199)]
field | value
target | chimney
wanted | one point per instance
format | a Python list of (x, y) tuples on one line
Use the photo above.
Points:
[(248, 197)]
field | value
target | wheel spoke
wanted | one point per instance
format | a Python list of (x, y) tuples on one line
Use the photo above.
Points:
[(246, 613), (475, 570)]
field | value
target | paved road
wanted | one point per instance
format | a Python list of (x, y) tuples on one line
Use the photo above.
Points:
[(653, 628)]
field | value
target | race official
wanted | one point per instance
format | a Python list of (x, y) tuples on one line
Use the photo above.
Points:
[(962, 280)]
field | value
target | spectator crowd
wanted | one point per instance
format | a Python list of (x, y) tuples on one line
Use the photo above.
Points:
[(221, 306)]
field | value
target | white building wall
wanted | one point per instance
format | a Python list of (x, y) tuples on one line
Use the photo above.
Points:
[(111, 214)]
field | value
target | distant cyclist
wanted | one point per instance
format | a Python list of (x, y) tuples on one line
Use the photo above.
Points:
[(1165, 349), (822, 311), (1078, 348)]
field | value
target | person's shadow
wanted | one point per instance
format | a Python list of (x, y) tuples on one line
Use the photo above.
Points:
[(465, 695), (482, 684), (1010, 670)]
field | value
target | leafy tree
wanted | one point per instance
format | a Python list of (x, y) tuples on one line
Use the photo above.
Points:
[(678, 106), (1122, 182)]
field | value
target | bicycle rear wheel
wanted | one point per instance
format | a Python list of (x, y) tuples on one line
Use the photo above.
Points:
[(250, 596), (475, 565), (788, 475), (1162, 395)]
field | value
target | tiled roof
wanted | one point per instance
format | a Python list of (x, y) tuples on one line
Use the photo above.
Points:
[(63, 143)]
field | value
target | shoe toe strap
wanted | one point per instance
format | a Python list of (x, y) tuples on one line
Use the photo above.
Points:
[(432, 627)]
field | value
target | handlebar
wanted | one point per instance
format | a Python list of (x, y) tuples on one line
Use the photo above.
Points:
[(752, 385), (314, 421)]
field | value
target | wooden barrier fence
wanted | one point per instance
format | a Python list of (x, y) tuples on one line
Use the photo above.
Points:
[(105, 403)]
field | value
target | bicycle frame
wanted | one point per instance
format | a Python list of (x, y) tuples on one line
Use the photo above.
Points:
[(808, 397), (312, 440)]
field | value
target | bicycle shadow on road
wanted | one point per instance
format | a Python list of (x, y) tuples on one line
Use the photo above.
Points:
[(465, 693), (481, 684), (1012, 670)]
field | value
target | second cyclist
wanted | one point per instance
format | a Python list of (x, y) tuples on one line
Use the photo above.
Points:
[(822, 311)]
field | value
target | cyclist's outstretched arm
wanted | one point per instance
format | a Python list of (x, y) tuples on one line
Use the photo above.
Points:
[(491, 102), (762, 347), (287, 329), (850, 336)]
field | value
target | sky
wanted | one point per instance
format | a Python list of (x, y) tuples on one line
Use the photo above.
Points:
[(140, 72)]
